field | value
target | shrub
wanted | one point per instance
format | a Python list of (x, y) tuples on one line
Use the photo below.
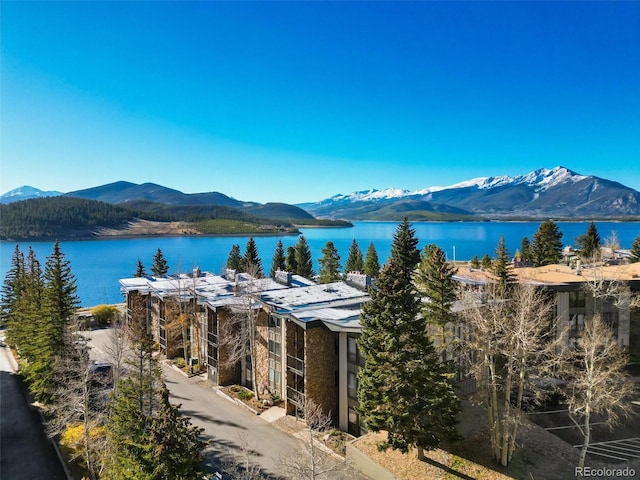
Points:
[(179, 362), (245, 394), (104, 314)]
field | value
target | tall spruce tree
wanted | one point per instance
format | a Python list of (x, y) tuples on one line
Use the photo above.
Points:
[(590, 243), (371, 262), (329, 264), (501, 267), (403, 387), (140, 271), (278, 261), (304, 261), (251, 260), (435, 284), (160, 267), (525, 248), (290, 262), (354, 259), (11, 288), (547, 245), (234, 260), (635, 250)]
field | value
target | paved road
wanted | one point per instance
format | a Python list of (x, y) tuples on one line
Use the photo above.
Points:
[(224, 423), (25, 451)]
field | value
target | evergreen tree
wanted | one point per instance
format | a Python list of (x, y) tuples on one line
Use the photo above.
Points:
[(278, 261), (11, 289), (486, 261), (354, 259), (290, 263), (403, 387), (525, 246), (547, 245), (501, 268), (234, 261), (475, 263), (590, 243), (371, 262), (60, 293), (329, 264), (635, 250), (304, 262), (175, 450), (140, 271), (251, 260), (159, 268), (435, 284)]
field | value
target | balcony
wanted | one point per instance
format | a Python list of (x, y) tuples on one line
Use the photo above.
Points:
[(295, 365), (212, 338), (295, 397)]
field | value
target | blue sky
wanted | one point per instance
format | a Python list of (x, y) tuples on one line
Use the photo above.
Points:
[(298, 101)]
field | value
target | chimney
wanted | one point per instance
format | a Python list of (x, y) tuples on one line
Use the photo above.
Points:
[(359, 280), (283, 278)]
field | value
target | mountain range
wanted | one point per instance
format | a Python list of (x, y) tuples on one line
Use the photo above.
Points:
[(543, 193)]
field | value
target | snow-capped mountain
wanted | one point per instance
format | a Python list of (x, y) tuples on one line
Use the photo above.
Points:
[(557, 192), (25, 193)]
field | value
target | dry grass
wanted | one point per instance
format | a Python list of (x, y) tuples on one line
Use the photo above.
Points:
[(540, 456)]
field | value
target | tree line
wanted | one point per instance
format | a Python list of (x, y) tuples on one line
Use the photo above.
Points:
[(117, 424)]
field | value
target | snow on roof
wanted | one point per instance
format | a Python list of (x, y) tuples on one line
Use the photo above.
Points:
[(314, 296), (335, 319)]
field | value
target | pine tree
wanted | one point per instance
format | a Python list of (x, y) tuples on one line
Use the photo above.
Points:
[(590, 243), (435, 284), (11, 289), (354, 259), (403, 388), (547, 245), (486, 261), (635, 250), (251, 260), (234, 261), (140, 271), (475, 263), (304, 262), (525, 246), (175, 450), (501, 268), (278, 261), (371, 262), (290, 263), (60, 292), (159, 267), (329, 264)]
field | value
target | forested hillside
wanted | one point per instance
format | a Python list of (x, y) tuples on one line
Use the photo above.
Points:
[(70, 217), (58, 216)]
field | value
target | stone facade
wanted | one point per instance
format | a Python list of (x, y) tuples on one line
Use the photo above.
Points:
[(321, 369)]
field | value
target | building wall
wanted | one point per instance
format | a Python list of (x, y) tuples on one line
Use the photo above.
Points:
[(321, 369), (228, 369)]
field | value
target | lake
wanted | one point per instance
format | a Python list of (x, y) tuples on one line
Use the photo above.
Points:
[(99, 264)]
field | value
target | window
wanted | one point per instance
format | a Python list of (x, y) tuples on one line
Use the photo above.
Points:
[(352, 385), (577, 299)]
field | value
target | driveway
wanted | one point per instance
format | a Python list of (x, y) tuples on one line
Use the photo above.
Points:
[(233, 433)]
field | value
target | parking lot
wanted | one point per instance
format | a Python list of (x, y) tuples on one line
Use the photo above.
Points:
[(620, 444)]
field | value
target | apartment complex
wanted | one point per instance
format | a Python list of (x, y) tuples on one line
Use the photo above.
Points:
[(306, 334)]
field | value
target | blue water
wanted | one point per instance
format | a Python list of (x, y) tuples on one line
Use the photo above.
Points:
[(98, 264)]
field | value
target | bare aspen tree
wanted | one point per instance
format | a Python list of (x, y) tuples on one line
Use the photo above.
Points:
[(596, 382), (507, 338), (116, 348), (81, 399), (240, 466), (239, 336), (313, 461)]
